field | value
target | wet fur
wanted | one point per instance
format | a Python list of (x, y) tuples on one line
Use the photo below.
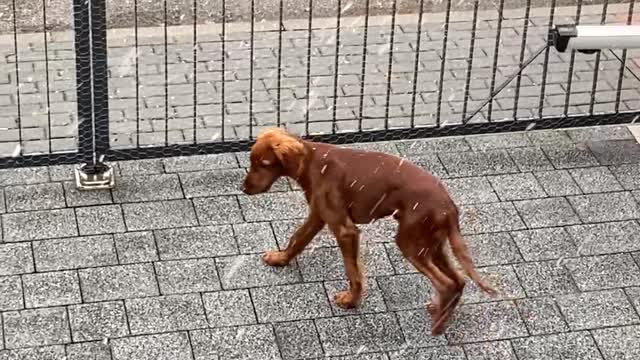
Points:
[(345, 187)]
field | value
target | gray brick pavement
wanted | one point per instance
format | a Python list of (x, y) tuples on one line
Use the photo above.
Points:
[(167, 265), (178, 115)]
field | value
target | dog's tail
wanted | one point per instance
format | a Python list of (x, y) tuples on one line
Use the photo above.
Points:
[(461, 252)]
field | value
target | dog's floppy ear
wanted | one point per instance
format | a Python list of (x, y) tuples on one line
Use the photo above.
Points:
[(286, 147)]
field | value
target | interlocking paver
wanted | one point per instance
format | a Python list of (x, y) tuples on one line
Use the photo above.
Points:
[(545, 278), (326, 263), (570, 156), (516, 186), (592, 310), (628, 175), (491, 217), (169, 346), (75, 197), (488, 321), (98, 321), (73, 253), (16, 259), (35, 225), (557, 183), (51, 289), (193, 242), (10, 293), (494, 350), (618, 343), (605, 207), (159, 215), (595, 180), (54, 352), (104, 219), (471, 190), (290, 302), (490, 162), (96, 350), (255, 237), (38, 327), (616, 152), (403, 292), (229, 308), (273, 206), (145, 188), (545, 244), (133, 247), (569, 346), (186, 276), (347, 335), (218, 210), (298, 340), (245, 271), (546, 212), (604, 271), (165, 313), (530, 159), (439, 352), (416, 328), (34, 197), (541, 315), (118, 282), (243, 343), (604, 238)]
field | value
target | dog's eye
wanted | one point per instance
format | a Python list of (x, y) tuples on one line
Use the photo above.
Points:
[(265, 163)]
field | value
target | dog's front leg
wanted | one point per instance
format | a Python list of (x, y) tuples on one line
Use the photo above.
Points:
[(348, 237), (298, 241)]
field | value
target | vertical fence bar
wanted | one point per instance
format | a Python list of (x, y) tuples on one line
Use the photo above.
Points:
[(100, 78), (309, 36), (279, 80), (195, 68), (472, 45), (567, 98), (336, 68), (363, 69), (137, 69), (596, 70), (416, 64), (223, 68), (166, 76), (443, 60), (82, 26), (17, 70), (251, 65), (523, 48), (496, 53), (545, 64), (46, 69), (623, 62), (394, 6)]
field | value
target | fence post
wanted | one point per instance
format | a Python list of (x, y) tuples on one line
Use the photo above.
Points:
[(93, 95)]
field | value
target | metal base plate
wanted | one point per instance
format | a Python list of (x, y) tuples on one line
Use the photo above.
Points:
[(100, 181)]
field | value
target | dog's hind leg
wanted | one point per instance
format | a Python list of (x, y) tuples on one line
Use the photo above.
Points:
[(449, 302), (424, 252), (298, 241)]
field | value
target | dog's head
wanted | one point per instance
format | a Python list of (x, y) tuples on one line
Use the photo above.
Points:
[(275, 153)]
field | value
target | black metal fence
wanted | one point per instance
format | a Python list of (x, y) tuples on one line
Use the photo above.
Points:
[(107, 88)]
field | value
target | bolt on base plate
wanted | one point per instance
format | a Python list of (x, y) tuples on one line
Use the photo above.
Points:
[(94, 181)]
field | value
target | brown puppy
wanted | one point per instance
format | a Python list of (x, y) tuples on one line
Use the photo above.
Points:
[(345, 187)]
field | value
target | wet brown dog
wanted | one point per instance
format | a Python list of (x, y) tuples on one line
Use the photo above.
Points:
[(345, 187)]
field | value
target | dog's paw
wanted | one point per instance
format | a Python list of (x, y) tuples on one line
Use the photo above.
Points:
[(345, 300), (432, 309), (275, 258)]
